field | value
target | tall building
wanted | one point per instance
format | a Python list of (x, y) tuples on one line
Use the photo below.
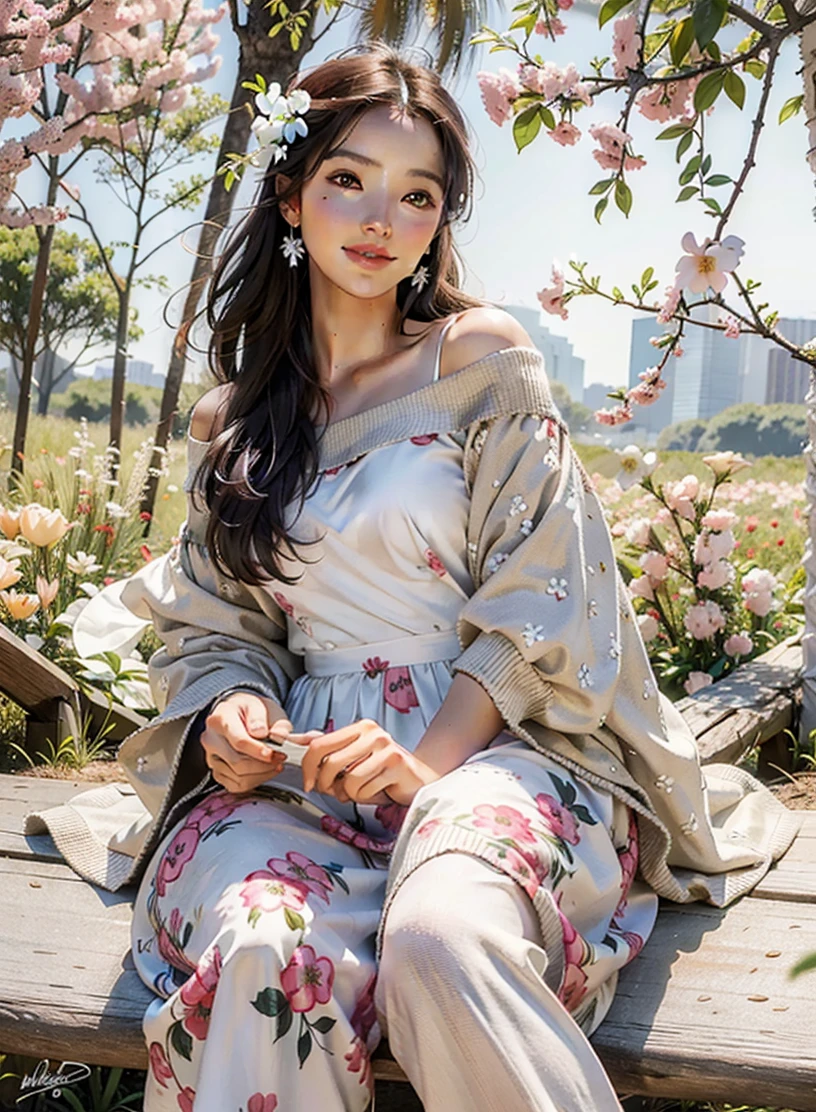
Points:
[(596, 396), (139, 373), (559, 361), (786, 379)]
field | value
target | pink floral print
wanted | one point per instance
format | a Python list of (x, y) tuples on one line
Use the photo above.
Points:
[(503, 821), (169, 944), (302, 871), (628, 858), (307, 979), (558, 818), (178, 853), (198, 992), (373, 666), (259, 1102), (364, 1016), (345, 833), (391, 815), (185, 1099), (421, 441), (214, 809), (359, 1061), (266, 891), (434, 563), (284, 603), (428, 828), (399, 690), (159, 1066), (576, 955)]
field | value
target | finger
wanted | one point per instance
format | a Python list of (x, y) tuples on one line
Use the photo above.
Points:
[(376, 786), (322, 747), (217, 746), (336, 762), (364, 771), (227, 719)]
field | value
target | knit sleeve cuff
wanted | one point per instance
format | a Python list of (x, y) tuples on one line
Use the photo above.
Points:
[(516, 687)]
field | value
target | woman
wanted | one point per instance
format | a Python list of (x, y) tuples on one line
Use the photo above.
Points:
[(394, 559)]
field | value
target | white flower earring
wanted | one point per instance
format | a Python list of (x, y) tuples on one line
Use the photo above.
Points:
[(293, 248), (420, 277)]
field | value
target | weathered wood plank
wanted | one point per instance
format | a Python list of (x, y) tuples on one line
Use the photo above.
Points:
[(683, 1022), (18, 796)]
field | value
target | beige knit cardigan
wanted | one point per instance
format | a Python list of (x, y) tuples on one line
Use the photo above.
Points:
[(549, 632)]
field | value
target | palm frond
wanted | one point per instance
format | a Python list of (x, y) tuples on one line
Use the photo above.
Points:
[(447, 25)]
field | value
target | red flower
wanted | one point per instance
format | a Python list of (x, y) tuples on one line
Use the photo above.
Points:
[(260, 1103), (145, 516), (104, 529), (176, 856), (146, 554), (751, 523), (560, 821), (108, 580), (750, 553), (774, 522), (780, 542), (373, 666), (37, 484), (198, 992), (185, 1099), (307, 979)]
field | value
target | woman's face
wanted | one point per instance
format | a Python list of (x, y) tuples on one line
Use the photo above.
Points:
[(380, 188)]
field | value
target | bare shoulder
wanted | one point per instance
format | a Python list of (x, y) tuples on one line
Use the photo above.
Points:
[(206, 420), (479, 332)]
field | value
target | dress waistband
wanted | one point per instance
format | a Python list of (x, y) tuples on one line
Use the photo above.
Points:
[(413, 648)]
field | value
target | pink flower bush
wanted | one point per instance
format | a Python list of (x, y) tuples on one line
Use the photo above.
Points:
[(704, 619), (718, 520), (503, 822), (175, 857), (715, 575), (558, 819), (670, 101), (307, 979), (641, 587), (648, 627), (551, 298), (738, 644), (680, 496), (655, 565), (696, 681), (758, 588), (303, 872)]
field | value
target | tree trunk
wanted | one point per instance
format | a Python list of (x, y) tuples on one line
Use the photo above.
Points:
[(34, 320), (275, 59), (117, 415), (807, 720), (46, 381)]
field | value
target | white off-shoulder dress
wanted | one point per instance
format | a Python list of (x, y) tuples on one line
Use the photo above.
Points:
[(263, 920)]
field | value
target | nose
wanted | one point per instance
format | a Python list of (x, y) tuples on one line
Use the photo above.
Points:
[(379, 225)]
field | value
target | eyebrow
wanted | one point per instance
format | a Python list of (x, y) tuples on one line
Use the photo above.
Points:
[(355, 156)]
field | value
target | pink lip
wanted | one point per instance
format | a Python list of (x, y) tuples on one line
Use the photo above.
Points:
[(377, 263)]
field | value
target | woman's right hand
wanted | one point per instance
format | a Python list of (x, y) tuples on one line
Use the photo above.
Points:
[(235, 742)]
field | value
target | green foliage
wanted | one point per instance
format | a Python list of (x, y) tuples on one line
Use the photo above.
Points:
[(576, 414), (767, 430), (91, 399)]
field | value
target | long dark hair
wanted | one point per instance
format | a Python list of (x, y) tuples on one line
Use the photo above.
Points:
[(265, 459)]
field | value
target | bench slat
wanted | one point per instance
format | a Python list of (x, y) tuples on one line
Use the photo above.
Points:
[(681, 1025)]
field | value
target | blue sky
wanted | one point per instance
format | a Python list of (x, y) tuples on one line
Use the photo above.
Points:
[(533, 207)]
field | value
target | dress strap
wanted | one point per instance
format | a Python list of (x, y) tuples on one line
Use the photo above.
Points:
[(438, 360)]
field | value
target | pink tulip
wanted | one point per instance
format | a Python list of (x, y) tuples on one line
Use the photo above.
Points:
[(738, 644)]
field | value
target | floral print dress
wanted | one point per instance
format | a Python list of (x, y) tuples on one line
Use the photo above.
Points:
[(259, 921)]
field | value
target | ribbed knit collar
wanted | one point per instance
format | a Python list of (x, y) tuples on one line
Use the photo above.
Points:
[(504, 382)]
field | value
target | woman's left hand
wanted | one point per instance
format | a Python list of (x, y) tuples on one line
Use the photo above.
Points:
[(363, 763)]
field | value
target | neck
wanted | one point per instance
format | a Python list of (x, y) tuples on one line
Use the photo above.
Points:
[(348, 332)]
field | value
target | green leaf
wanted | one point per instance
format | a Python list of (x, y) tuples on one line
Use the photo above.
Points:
[(602, 186), (623, 196), (714, 206), (734, 88), (718, 179), (181, 1041), (706, 165), (646, 276), (714, 51), (526, 126), (756, 67), (324, 1024), (284, 1022), (687, 192), (681, 40), (304, 1045), (609, 9), (708, 17), (791, 107), (294, 920), (270, 1001), (805, 965), (185, 938), (708, 90), (673, 132), (684, 145), (617, 293), (600, 208), (546, 116), (689, 170)]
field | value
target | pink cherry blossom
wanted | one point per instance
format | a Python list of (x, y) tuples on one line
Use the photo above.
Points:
[(704, 619), (680, 496), (503, 821), (669, 101), (757, 588), (260, 1102), (558, 819), (641, 587), (613, 142), (307, 979), (638, 532), (626, 44), (556, 27), (551, 297), (708, 264), (565, 133), (669, 306), (738, 644), (648, 627), (175, 857), (715, 575), (302, 871), (732, 328), (697, 681), (498, 91)]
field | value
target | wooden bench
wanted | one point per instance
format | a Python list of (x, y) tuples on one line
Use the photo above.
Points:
[(706, 1011)]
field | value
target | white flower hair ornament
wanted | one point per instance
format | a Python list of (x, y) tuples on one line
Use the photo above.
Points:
[(280, 121)]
